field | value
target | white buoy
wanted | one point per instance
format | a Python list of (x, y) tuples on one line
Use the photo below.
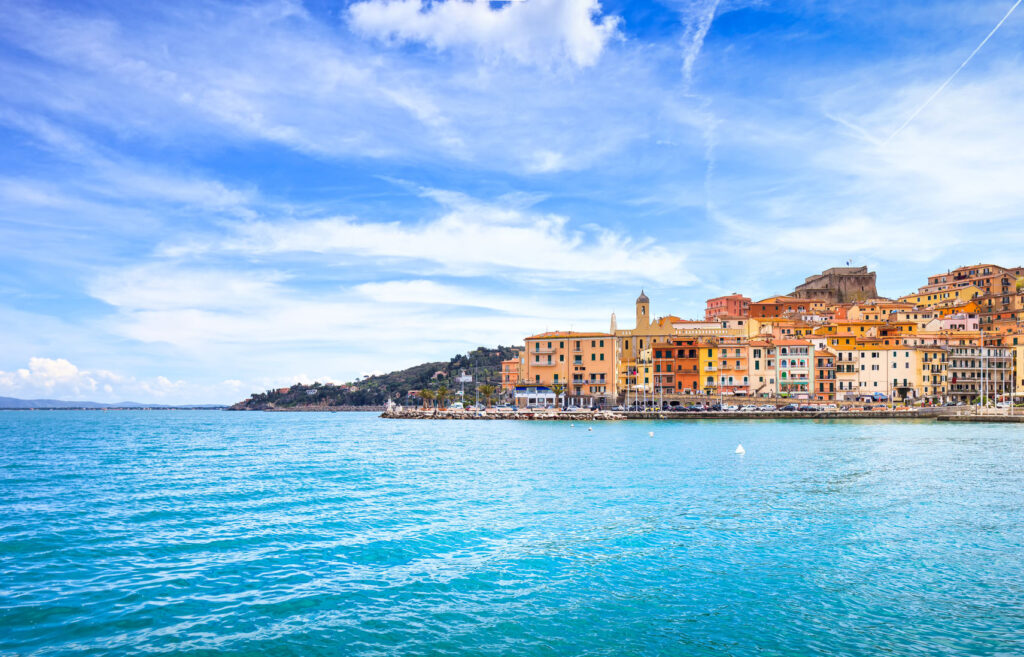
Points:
[(572, 425), (651, 434), (590, 428), (740, 450)]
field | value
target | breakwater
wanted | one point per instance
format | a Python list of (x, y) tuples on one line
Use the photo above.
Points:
[(587, 416)]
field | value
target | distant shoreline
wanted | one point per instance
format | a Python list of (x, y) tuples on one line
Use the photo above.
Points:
[(119, 408)]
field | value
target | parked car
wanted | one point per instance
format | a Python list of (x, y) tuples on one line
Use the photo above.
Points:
[(767, 407), (749, 408), (457, 406), (789, 407), (730, 407)]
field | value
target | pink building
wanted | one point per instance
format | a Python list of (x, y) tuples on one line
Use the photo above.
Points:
[(734, 305), (957, 322)]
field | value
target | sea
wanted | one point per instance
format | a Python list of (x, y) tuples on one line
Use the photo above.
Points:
[(249, 533)]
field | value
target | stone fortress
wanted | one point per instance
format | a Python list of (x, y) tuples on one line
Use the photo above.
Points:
[(839, 285)]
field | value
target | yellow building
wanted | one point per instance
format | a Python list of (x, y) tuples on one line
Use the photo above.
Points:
[(947, 297), (636, 347), (932, 382), (707, 363)]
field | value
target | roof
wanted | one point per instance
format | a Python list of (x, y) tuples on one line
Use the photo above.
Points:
[(642, 298), (568, 334)]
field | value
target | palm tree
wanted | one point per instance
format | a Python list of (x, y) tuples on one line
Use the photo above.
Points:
[(443, 394), (427, 395), (558, 389), (487, 392)]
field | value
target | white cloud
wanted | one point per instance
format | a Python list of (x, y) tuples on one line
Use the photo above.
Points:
[(58, 378), (541, 32), (470, 238), (198, 78), (166, 303), (698, 18)]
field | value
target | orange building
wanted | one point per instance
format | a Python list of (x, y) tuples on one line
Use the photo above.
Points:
[(510, 373), (676, 366), (784, 306), (824, 375), (582, 362), (733, 305)]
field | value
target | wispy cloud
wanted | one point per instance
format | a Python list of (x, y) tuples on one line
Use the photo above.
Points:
[(470, 237)]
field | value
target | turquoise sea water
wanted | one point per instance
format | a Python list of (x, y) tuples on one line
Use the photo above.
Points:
[(133, 533)]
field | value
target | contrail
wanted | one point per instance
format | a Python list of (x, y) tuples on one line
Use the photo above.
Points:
[(950, 78)]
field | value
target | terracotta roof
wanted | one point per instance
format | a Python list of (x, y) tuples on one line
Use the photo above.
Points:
[(568, 334)]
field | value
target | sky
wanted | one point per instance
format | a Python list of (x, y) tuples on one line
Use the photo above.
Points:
[(203, 200)]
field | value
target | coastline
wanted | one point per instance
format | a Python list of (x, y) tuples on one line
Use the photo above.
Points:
[(582, 416)]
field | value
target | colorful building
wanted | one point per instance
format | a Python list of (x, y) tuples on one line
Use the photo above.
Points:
[(582, 363), (824, 375), (733, 305)]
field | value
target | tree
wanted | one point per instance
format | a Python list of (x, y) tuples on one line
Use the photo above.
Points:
[(487, 391), (558, 389), (443, 395), (427, 395)]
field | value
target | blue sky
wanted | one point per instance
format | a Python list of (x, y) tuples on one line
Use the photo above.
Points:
[(198, 201)]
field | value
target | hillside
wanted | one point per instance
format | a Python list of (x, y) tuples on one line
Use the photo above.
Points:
[(483, 363)]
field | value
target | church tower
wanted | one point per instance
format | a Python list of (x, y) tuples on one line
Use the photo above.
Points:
[(643, 311)]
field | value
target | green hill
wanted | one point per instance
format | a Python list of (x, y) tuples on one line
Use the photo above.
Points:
[(483, 363)]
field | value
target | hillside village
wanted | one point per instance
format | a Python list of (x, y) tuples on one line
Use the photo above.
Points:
[(957, 339)]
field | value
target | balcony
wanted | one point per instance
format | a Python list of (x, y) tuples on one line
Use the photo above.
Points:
[(543, 350), (543, 364)]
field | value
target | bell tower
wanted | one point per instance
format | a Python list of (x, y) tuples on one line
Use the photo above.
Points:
[(643, 311)]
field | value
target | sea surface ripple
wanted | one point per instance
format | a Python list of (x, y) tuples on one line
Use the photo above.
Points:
[(203, 533)]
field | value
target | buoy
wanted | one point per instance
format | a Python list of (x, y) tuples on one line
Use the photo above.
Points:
[(651, 434), (571, 425), (740, 450), (590, 428)]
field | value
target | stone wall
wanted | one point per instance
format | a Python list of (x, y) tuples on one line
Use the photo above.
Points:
[(839, 285)]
